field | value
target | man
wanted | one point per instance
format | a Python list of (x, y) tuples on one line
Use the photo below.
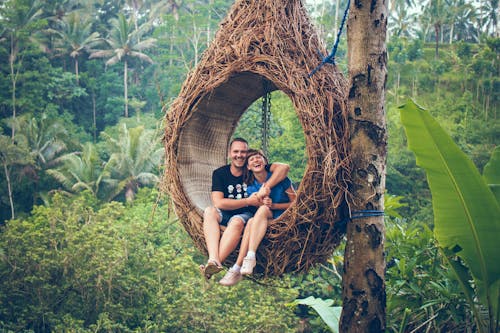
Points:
[(232, 207)]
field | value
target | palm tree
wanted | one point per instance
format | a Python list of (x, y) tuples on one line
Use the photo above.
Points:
[(75, 37), (435, 14), (136, 154), (402, 22), (152, 9), (78, 171), (395, 4), (463, 15), (12, 154), (489, 17), (20, 22), (45, 137), (125, 43)]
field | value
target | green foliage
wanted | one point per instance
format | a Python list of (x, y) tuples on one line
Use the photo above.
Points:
[(80, 171), (134, 161), (419, 283), (329, 313), (13, 156), (391, 205), (84, 267), (466, 212)]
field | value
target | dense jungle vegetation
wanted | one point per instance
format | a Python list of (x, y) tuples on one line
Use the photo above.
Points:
[(87, 242)]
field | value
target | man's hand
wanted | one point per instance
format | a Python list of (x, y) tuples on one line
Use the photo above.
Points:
[(254, 200), (263, 192)]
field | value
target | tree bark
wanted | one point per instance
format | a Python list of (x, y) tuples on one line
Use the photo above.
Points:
[(94, 121), (77, 72), (436, 33), (125, 86), (363, 283), (9, 189), (13, 77)]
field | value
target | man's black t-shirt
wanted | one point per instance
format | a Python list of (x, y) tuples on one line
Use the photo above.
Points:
[(232, 187)]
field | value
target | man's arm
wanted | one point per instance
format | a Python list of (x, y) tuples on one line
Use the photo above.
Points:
[(220, 202), (280, 172)]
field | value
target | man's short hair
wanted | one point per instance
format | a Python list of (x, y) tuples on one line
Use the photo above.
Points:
[(238, 140)]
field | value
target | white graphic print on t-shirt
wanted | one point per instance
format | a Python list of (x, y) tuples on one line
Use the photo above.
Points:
[(241, 191)]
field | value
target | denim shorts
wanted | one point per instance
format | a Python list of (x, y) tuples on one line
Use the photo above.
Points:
[(227, 217)]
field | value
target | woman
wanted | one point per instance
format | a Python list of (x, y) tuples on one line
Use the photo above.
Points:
[(281, 197)]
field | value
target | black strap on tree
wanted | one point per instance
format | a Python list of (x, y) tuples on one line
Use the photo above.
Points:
[(266, 116)]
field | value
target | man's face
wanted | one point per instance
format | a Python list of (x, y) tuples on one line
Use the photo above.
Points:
[(238, 153)]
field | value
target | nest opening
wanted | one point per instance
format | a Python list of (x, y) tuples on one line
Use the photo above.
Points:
[(212, 124)]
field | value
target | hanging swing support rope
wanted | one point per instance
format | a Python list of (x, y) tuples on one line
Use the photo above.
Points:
[(330, 59)]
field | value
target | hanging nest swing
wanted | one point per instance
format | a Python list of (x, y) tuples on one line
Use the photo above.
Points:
[(263, 41)]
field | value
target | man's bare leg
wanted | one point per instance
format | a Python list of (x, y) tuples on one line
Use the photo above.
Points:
[(211, 230), (230, 238)]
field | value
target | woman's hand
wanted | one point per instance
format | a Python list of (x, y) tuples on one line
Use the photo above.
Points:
[(264, 191)]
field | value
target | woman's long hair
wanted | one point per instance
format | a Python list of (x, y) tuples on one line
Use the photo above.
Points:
[(248, 176)]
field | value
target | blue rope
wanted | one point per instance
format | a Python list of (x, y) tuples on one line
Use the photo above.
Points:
[(361, 214), (366, 213), (330, 59)]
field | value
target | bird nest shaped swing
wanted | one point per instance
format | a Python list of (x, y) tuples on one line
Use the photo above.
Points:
[(270, 40)]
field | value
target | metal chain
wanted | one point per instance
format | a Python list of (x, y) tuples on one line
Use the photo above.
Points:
[(266, 117)]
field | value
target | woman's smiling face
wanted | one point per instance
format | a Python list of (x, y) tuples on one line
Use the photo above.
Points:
[(256, 163)]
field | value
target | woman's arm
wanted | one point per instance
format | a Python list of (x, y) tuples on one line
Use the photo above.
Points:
[(279, 172), (292, 195)]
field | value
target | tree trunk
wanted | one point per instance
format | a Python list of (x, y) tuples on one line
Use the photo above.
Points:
[(436, 33), (13, 76), (94, 121), (209, 31), (363, 285), (336, 22), (398, 83), (414, 87), (77, 72), (9, 189), (125, 86)]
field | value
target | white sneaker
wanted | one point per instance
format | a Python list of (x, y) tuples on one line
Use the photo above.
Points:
[(248, 266), (231, 278)]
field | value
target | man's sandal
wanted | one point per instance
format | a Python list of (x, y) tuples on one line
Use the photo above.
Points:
[(211, 268)]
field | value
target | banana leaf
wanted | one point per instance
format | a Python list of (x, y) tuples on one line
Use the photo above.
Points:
[(466, 212), (324, 307)]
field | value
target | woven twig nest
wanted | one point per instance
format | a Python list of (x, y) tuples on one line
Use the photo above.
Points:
[(269, 40)]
